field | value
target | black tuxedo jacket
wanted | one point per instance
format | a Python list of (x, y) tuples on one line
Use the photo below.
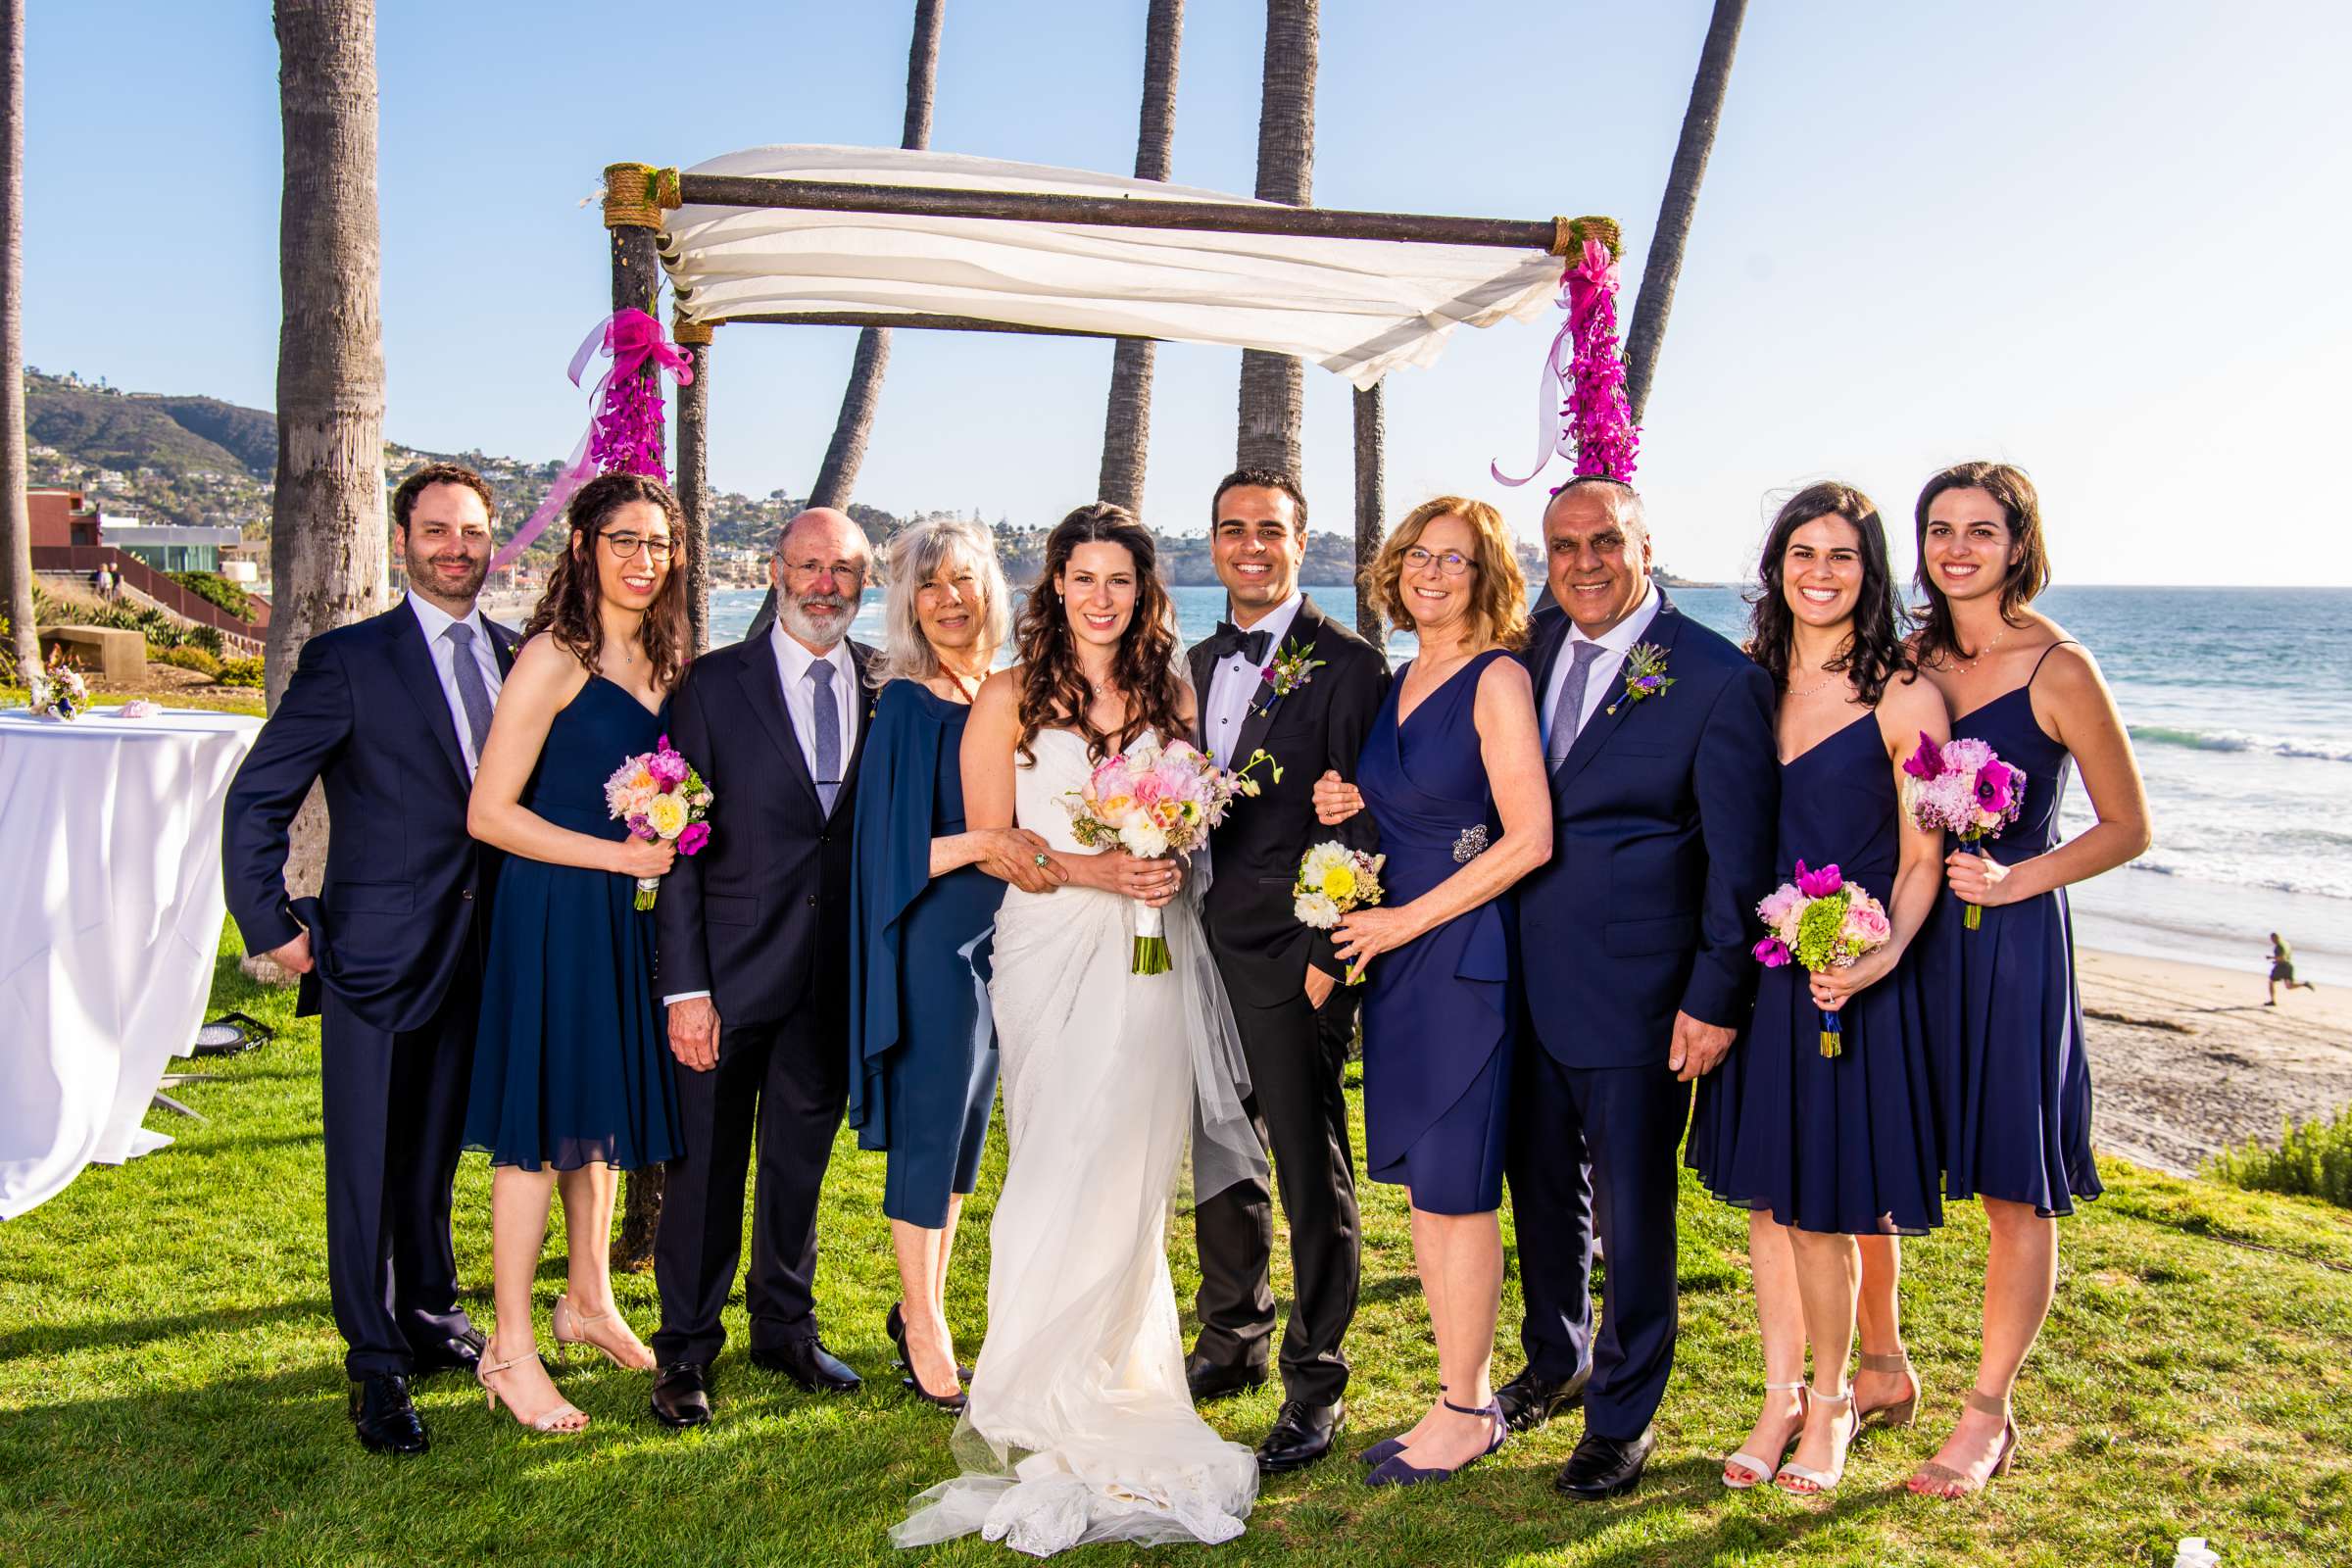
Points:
[(1262, 951), (366, 716), (765, 910), (1665, 814)]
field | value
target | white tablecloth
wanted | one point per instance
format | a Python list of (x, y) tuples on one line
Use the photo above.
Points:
[(110, 853)]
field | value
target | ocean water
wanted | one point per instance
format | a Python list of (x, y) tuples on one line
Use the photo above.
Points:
[(2240, 706)]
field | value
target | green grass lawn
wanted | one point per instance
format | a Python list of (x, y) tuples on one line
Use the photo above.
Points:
[(171, 1392)]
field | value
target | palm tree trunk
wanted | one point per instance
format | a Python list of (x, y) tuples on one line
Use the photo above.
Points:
[(327, 536), (853, 426), (1127, 418), (1273, 385), (1673, 232), (15, 520)]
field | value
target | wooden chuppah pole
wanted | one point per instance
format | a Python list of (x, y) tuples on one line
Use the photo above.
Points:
[(635, 195), (1121, 211), (1371, 502), (694, 476)]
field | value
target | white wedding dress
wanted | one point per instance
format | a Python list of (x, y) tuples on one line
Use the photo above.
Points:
[(1079, 1427)]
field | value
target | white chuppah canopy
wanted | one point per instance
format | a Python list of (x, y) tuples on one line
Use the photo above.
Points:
[(1357, 306)]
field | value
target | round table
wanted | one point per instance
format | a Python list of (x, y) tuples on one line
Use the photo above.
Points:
[(109, 830)]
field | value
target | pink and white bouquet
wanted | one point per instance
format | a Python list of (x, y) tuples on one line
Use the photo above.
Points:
[(1962, 787), (1154, 800), (1820, 921), (660, 797)]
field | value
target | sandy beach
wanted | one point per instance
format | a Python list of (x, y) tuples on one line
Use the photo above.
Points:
[(2186, 1059)]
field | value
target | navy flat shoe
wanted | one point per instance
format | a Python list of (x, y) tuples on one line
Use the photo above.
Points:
[(1395, 1472)]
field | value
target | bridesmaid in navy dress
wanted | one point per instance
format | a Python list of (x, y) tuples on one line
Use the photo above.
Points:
[(571, 1070), (1454, 773), (923, 913), (1823, 1150), (2012, 1087)]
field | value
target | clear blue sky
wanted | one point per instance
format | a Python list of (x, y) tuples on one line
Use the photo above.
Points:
[(2107, 243)]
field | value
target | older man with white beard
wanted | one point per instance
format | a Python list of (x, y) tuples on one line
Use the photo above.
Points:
[(750, 967)]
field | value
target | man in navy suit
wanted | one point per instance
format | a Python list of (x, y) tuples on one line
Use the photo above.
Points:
[(390, 715), (753, 951), (1633, 964)]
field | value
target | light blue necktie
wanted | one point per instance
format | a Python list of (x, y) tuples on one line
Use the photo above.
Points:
[(828, 734), (474, 692), (1568, 713)]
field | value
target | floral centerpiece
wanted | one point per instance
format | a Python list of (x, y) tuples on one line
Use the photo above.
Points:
[(1964, 788), (1820, 921), (660, 797), (57, 689), (1155, 801)]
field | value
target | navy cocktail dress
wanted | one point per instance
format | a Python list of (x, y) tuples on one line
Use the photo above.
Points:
[(922, 1051), (2012, 1086), (1437, 1016), (1844, 1143), (571, 1065)]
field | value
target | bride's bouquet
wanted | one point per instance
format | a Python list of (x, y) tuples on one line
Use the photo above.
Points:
[(660, 796), (56, 688), (1154, 802)]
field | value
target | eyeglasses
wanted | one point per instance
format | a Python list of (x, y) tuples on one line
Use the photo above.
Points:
[(1453, 563), (624, 546), (840, 571)]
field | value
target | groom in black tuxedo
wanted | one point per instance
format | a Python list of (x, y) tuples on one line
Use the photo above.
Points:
[(1254, 688), (752, 953), (390, 715), (1633, 964)]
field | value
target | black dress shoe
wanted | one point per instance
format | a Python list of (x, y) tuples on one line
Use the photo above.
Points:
[(1604, 1467), (1301, 1434), (1211, 1380), (682, 1395), (459, 1353), (384, 1417), (1530, 1400), (811, 1365)]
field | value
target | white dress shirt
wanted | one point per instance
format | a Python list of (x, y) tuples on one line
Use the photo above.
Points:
[(800, 700), (793, 663), (437, 621), (1601, 682), (1235, 682)]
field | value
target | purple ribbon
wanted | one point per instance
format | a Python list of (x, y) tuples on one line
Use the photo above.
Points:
[(624, 430)]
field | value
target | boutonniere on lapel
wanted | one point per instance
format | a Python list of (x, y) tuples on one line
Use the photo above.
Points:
[(1291, 668), (1645, 674)]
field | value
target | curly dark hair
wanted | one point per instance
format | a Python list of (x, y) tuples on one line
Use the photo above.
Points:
[(568, 612), (1874, 654), (1054, 690), (419, 480), (2025, 578)]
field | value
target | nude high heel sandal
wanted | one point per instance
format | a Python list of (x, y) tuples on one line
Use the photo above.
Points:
[(572, 1327), (565, 1417), (1942, 1481), (1819, 1482), (1900, 1412)]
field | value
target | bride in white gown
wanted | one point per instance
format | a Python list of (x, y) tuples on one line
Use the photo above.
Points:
[(1079, 1427)]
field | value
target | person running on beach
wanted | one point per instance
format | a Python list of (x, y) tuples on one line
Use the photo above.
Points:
[(2282, 970)]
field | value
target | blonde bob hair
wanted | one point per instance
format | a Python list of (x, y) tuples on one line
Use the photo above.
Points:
[(915, 555), (1497, 587)]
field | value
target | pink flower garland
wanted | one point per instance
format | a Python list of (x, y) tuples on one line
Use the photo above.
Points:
[(1606, 438), (1584, 380), (626, 427)]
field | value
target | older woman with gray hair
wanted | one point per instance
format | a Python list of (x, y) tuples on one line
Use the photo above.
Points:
[(923, 905)]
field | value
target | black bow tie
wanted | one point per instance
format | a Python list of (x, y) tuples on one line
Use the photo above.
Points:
[(1228, 640)]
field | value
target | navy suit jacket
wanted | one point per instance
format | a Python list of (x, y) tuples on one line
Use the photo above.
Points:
[(765, 910), (366, 716), (1665, 814)]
